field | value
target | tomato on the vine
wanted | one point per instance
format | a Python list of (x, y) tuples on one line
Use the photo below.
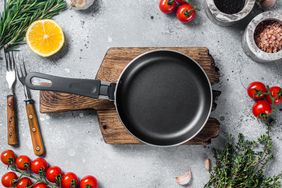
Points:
[(24, 182), (40, 185), (9, 179), (262, 109), (8, 157), (256, 90), (276, 95), (69, 180), (167, 6), (23, 162), (88, 182), (39, 165), (54, 174), (186, 13)]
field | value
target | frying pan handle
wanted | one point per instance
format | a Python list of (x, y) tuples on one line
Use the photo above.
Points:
[(84, 87)]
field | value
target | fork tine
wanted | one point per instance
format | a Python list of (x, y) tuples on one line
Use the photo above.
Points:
[(13, 61), (10, 61), (25, 72), (7, 61), (18, 74), (21, 70), (18, 70)]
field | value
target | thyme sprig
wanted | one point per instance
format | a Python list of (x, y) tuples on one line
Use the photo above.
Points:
[(19, 14), (243, 164)]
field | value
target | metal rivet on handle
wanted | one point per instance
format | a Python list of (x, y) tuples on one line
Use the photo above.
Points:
[(33, 129), (30, 116), (37, 148)]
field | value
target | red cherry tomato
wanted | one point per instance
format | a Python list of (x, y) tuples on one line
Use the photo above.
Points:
[(54, 174), (39, 165), (39, 185), (167, 6), (8, 179), (262, 109), (180, 2), (276, 95), (256, 90), (186, 13), (24, 182), (23, 162), (8, 157), (88, 182), (69, 180)]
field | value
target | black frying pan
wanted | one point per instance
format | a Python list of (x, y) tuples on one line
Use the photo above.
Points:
[(163, 98)]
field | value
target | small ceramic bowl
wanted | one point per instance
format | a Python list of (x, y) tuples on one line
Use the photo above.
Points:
[(249, 44), (224, 19)]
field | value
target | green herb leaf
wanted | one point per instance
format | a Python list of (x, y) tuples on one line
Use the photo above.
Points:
[(242, 164)]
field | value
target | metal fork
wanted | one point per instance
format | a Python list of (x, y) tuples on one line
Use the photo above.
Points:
[(35, 133), (11, 113)]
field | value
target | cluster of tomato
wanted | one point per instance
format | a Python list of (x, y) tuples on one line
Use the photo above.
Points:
[(48, 176), (185, 11), (265, 98)]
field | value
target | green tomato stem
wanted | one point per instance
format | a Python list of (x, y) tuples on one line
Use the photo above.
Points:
[(41, 178)]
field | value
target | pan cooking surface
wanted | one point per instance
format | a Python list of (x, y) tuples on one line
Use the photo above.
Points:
[(163, 98)]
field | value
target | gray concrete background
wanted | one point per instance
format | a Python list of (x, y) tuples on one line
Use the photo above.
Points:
[(73, 140)]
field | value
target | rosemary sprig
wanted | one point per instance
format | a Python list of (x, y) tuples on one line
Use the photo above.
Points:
[(243, 164), (19, 14)]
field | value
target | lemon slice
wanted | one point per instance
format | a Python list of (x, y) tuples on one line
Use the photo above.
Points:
[(45, 37)]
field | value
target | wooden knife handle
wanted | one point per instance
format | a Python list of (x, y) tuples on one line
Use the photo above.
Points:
[(11, 121), (35, 133)]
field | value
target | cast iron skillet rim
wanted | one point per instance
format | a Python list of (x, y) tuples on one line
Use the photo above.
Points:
[(208, 115)]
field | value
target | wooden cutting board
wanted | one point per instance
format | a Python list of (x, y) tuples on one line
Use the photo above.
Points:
[(114, 62)]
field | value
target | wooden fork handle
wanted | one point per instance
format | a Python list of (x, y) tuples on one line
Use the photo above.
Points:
[(11, 121), (35, 132)]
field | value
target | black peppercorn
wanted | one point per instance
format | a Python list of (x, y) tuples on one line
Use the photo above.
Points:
[(230, 6)]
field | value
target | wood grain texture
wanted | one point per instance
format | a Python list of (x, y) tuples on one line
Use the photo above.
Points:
[(113, 64), (11, 121), (35, 132), (62, 102)]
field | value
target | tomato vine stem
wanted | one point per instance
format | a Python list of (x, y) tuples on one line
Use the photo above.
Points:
[(27, 173)]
